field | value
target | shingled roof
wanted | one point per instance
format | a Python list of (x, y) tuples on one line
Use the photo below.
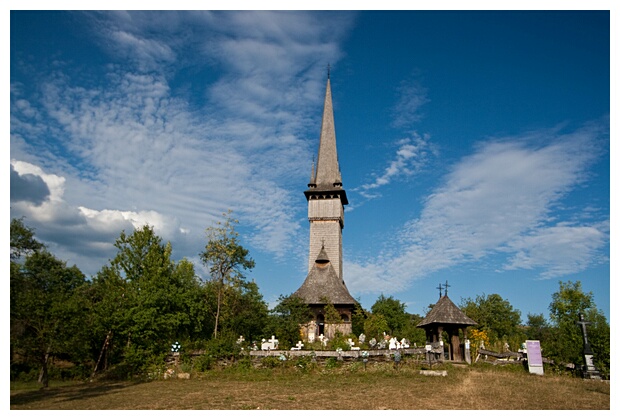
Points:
[(446, 312), (326, 176), (327, 171), (323, 282)]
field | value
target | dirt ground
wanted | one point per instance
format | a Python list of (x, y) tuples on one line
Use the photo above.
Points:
[(387, 389)]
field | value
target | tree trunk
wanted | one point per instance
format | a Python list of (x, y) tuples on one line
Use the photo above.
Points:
[(217, 314), (43, 376), (103, 349)]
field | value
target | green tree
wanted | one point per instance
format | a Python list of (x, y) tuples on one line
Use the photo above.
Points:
[(332, 316), (358, 317), (246, 311), (375, 325), (537, 328), (22, 240), (142, 301), (286, 318), (46, 309), (496, 317), (567, 340), (394, 314), (225, 259), (412, 332)]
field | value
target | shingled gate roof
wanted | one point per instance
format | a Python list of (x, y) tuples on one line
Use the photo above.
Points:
[(323, 282), (446, 312)]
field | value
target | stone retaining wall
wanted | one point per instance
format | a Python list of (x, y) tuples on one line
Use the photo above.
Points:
[(354, 354)]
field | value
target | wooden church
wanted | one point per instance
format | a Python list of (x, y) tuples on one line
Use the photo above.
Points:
[(326, 198)]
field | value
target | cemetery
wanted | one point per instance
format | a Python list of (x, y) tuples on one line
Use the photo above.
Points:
[(321, 340), (393, 350), (326, 333)]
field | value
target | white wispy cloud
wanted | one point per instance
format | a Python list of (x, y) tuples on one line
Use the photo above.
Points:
[(412, 154), (559, 250), (412, 95), (500, 202), (131, 150)]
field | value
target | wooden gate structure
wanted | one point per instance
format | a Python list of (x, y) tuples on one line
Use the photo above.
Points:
[(446, 316)]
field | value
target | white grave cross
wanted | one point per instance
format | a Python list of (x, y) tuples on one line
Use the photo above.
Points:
[(351, 344), (394, 344), (270, 344)]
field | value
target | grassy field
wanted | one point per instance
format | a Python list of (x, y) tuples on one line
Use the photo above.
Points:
[(349, 387)]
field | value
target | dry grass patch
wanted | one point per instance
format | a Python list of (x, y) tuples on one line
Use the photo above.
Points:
[(347, 388)]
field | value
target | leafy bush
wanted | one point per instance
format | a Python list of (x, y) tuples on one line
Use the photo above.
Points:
[(270, 362), (244, 364), (25, 375), (339, 342), (332, 363), (222, 347), (304, 363), (203, 362), (120, 372)]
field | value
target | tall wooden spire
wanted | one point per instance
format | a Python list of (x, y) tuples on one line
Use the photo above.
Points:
[(325, 195), (327, 168)]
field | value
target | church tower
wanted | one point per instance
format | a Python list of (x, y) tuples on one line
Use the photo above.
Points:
[(325, 195), (326, 200)]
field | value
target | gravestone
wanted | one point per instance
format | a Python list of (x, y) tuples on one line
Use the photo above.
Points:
[(467, 353), (534, 357), (523, 351), (352, 345), (271, 344), (396, 359), (393, 344), (429, 356), (311, 331), (365, 358), (589, 370)]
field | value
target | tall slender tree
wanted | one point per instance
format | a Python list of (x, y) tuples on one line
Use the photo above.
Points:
[(226, 260)]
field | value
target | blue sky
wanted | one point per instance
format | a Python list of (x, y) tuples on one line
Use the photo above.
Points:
[(474, 146)]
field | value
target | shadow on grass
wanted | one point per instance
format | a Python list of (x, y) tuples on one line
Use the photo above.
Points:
[(81, 391)]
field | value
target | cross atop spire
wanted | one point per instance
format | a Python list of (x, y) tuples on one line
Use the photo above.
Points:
[(446, 286), (440, 289), (328, 68)]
